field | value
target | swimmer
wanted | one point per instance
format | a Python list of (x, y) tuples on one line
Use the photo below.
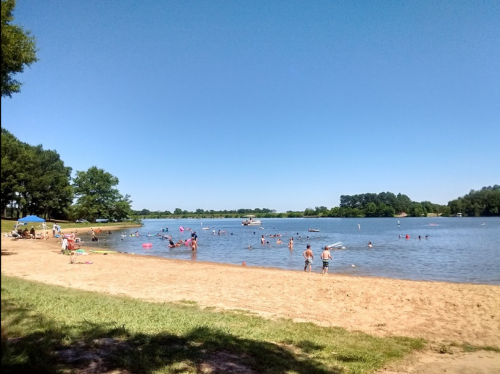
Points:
[(370, 245)]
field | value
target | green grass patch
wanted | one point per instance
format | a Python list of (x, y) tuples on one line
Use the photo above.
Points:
[(50, 329), (7, 225)]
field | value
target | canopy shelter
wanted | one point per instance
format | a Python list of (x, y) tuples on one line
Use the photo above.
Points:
[(31, 219)]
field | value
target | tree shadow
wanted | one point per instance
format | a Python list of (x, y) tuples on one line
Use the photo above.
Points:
[(7, 253), (105, 347)]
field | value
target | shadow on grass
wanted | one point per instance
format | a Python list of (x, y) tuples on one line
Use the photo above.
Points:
[(97, 348)]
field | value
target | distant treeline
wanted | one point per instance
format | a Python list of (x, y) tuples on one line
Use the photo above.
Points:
[(482, 203), (385, 204), (485, 202)]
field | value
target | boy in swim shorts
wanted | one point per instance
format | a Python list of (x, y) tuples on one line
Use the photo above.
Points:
[(326, 257), (308, 256)]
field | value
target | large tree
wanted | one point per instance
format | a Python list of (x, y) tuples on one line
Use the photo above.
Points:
[(98, 197), (50, 189), (33, 180), (18, 49)]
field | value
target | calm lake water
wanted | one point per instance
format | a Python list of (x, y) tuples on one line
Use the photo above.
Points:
[(464, 250)]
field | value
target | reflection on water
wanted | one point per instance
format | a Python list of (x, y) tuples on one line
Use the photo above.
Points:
[(445, 249)]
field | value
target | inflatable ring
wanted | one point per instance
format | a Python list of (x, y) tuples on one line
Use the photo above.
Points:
[(147, 245)]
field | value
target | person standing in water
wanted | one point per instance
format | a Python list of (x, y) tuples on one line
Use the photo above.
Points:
[(262, 240), (290, 243), (308, 257), (326, 257)]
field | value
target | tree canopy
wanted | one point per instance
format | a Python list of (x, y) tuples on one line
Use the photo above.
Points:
[(97, 196), (485, 202), (18, 49), (33, 180)]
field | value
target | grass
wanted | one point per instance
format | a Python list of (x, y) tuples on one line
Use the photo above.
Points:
[(51, 329), (7, 225)]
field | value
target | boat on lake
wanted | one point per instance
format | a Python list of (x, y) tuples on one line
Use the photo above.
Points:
[(313, 230), (251, 221)]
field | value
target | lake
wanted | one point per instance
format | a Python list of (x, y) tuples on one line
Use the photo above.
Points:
[(464, 250)]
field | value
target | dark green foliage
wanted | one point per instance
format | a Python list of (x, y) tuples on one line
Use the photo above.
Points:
[(18, 50), (484, 203), (384, 204), (98, 197), (33, 180)]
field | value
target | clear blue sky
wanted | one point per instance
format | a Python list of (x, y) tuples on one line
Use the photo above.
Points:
[(283, 105)]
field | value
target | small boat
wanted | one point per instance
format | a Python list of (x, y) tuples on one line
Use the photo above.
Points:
[(313, 230), (206, 228), (250, 221)]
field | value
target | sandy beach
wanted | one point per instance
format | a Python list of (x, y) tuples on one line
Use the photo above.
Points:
[(437, 311)]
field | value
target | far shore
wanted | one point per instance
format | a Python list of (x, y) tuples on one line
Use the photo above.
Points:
[(437, 311)]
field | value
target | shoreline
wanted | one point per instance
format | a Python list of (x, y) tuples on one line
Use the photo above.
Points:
[(434, 310)]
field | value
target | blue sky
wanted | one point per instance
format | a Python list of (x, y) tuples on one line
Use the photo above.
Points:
[(285, 105)]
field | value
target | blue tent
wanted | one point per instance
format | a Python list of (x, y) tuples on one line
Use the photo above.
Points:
[(31, 219)]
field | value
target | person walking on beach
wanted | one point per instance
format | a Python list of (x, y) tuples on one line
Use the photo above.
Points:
[(308, 257), (326, 257)]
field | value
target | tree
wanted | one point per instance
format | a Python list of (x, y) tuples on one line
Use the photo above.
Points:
[(12, 172), (18, 49), (371, 209), (49, 191), (97, 196)]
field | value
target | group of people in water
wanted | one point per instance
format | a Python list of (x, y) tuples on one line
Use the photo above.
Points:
[(192, 242)]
